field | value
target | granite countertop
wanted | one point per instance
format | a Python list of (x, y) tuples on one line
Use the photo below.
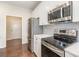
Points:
[(43, 35), (73, 49)]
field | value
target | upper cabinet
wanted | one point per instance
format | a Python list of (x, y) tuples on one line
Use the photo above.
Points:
[(75, 11), (41, 12), (56, 11), (43, 16)]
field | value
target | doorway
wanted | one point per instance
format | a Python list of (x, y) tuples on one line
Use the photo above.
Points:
[(13, 35)]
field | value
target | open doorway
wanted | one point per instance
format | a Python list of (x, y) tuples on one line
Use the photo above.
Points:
[(13, 34)]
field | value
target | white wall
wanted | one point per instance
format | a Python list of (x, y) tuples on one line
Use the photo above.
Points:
[(10, 10)]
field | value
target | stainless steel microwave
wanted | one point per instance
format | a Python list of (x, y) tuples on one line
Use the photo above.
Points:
[(67, 11), (61, 13), (54, 15)]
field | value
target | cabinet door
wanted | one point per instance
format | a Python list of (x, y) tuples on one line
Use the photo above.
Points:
[(76, 11), (43, 15), (35, 43), (39, 47)]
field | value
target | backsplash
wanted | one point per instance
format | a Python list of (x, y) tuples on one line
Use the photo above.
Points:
[(50, 29)]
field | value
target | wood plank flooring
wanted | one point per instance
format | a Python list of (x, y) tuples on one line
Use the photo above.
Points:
[(15, 49)]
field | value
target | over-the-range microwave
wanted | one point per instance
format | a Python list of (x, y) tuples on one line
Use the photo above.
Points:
[(61, 13)]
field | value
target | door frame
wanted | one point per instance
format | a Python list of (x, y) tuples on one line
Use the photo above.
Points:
[(6, 25)]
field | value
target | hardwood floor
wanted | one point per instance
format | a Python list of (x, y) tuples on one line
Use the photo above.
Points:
[(15, 49)]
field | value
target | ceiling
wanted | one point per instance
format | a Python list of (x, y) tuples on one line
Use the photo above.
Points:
[(25, 4)]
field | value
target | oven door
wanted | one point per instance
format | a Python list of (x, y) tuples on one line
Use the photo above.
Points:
[(51, 51)]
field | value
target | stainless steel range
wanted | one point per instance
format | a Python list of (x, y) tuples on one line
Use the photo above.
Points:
[(57, 43)]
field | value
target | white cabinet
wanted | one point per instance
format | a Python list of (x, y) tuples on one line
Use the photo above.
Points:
[(37, 43), (43, 16), (75, 11), (37, 46), (41, 12)]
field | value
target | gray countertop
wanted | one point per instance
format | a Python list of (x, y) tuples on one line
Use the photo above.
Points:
[(73, 49)]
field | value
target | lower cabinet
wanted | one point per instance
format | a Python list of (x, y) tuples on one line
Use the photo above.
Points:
[(37, 46)]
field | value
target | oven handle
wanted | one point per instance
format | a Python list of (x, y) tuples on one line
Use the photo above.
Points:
[(54, 49)]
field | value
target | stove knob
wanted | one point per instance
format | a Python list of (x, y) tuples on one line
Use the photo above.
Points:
[(59, 42), (64, 45)]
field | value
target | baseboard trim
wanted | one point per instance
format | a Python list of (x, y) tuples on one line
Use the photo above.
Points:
[(3, 47), (24, 43)]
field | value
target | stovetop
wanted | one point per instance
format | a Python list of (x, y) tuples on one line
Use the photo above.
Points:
[(58, 42), (65, 38)]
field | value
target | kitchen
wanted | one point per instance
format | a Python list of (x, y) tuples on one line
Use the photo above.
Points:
[(57, 17), (49, 28)]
